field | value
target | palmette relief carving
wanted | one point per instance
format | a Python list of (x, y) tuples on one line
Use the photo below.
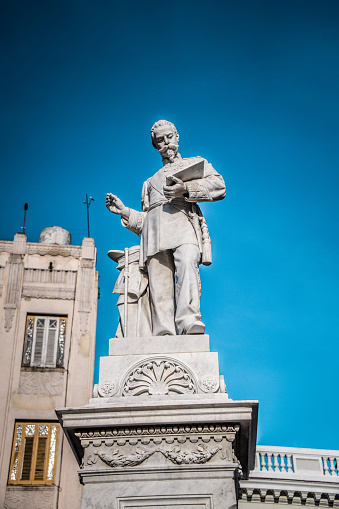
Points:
[(199, 455), (116, 459), (159, 377)]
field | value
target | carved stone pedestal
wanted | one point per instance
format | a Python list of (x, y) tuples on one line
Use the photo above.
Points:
[(161, 431)]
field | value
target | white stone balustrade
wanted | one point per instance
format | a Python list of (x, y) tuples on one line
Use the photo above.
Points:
[(287, 475), (67, 277), (290, 462)]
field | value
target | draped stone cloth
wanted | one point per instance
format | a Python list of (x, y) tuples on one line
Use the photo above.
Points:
[(164, 226), (139, 311)]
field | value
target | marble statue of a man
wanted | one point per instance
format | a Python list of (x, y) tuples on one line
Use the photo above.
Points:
[(173, 233)]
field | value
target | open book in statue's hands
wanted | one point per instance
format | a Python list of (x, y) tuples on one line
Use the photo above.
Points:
[(192, 172)]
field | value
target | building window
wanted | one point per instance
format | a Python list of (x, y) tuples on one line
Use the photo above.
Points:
[(34, 453), (44, 341)]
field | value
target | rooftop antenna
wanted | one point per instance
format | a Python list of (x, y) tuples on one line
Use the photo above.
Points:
[(24, 226), (87, 203)]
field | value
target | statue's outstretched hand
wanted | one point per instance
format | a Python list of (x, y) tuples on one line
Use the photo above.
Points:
[(115, 205), (178, 188)]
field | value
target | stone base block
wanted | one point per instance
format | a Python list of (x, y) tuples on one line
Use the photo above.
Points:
[(171, 365), (201, 492), (159, 344)]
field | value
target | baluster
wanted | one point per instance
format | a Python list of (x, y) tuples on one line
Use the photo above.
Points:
[(333, 472), (257, 461), (284, 467), (326, 469), (270, 461), (289, 463), (262, 461), (275, 462)]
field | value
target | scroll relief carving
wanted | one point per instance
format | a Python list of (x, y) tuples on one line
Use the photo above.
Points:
[(159, 376)]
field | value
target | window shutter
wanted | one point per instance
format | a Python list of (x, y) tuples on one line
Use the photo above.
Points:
[(39, 341), (27, 459), (51, 342), (40, 459), (45, 341)]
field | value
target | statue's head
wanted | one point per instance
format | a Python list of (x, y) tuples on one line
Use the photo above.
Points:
[(165, 139)]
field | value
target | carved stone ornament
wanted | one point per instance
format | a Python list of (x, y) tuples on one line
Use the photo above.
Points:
[(44, 292), (107, 389), (6, 246), (40, 382), (39, 497), (159, 376), (199, 455), (200, 429), (48, 249), (92, 459), (115, 459), (209, 384), (87, 263)]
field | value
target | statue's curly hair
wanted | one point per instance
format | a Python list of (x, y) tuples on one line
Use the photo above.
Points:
[(161, 123)]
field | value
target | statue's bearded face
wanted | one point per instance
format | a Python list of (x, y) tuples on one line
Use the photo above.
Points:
[(166, 141)]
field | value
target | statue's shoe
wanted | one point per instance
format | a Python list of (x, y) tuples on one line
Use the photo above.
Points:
[(196, 328)]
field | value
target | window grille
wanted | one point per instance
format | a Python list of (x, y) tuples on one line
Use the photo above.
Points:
[(44, 341), (34, 453)]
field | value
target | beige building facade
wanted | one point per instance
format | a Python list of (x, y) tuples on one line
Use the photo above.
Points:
[(48, 309)]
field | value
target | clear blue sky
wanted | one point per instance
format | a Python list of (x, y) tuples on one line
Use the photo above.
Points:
[(252, 86)]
